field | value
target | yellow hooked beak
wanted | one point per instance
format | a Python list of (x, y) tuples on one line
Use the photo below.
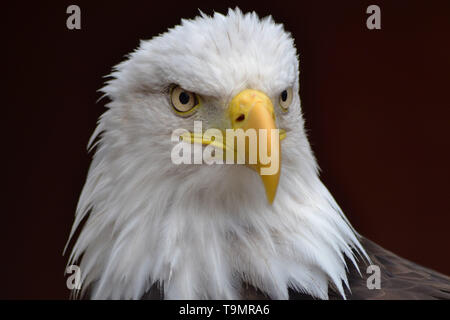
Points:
[(251, 113), (252, 109)]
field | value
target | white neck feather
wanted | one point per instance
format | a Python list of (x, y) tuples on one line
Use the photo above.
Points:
[(202, 231)]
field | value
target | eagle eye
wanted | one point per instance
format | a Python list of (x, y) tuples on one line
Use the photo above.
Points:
[(183, 101), (285, 99)]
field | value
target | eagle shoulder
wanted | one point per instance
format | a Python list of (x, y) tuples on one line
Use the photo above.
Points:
[(401, 279)]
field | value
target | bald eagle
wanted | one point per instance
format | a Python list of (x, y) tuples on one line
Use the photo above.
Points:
[(155, 228)]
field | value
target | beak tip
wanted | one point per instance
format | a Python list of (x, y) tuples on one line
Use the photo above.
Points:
[(270, 185)]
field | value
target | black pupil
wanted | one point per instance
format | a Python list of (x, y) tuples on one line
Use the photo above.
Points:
[(284, 95), (184, 98)]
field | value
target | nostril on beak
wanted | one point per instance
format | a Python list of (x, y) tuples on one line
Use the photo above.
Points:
[(240, 118)]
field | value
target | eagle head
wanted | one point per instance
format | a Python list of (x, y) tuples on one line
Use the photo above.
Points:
[(203, 229)]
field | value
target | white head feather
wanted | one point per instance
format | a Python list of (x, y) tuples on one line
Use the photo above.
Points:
[(202, 230)]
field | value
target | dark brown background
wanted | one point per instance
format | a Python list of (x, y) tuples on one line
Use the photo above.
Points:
[(375, 102)]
